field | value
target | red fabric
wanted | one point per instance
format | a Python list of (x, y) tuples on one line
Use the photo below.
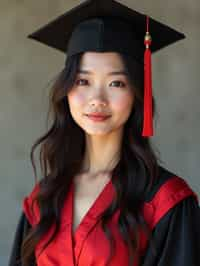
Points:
[(88, 245), (148, 112), (32, 216), (148, 116)]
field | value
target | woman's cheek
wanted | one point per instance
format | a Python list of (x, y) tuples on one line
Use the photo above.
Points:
[(76, 99), (122, 103)]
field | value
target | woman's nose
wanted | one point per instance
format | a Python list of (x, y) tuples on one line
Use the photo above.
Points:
[(98, 102), (98, 98)]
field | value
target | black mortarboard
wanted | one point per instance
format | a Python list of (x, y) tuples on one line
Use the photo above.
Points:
[(107, 25)]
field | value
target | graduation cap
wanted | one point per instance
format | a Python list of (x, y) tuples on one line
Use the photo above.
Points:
[(107, 25)]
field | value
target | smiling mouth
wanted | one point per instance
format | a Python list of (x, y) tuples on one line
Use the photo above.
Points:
[(98, 117)]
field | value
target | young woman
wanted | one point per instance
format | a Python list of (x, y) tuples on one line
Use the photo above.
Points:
[(104, 199)]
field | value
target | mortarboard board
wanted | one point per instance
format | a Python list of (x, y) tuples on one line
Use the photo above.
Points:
[(107, 25)]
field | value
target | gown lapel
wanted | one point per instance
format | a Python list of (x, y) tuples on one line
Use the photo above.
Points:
[(66, 248), (76, 239)]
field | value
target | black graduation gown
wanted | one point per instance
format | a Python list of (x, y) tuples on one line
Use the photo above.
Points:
[(176, 235)]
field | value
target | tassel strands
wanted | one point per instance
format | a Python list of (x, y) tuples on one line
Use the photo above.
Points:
[(148, 113)]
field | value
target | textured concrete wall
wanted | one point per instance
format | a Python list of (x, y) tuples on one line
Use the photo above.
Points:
[(26, 67)]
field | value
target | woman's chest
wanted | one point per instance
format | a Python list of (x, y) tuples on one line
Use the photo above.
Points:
[(88, 244), (85, 196)]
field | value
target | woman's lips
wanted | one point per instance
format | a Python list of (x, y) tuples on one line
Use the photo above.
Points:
[(98, 117)]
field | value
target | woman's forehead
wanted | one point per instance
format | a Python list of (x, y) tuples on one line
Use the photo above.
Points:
[(95, 60)]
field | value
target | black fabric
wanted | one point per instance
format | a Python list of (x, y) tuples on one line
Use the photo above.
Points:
[(163, 176), (72, 32), (176, 236), (21, 232)]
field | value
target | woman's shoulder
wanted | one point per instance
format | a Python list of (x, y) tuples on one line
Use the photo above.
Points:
[(29, 206), (173, 215), (168, 182), (169, 190)]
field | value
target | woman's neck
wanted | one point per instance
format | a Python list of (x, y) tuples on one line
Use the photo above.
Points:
[(102, 153)]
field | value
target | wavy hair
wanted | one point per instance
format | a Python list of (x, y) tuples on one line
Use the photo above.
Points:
[(61, 154)]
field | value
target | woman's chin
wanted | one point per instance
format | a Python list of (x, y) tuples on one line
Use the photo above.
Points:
[(97, 131)]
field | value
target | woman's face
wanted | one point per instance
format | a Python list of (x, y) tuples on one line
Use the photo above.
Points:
[(101, 86)]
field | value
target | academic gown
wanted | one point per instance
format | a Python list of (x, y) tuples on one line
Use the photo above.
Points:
[(171, 210)]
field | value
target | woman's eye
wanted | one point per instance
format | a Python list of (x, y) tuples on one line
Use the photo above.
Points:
[(81, 82), (118, 82), (84, 82)]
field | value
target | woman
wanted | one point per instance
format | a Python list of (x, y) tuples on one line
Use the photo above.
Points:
[(104, 199)]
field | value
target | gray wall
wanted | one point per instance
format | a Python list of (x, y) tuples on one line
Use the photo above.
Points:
[(26, 67)]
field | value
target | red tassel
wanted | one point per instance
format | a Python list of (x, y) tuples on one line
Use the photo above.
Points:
[(148, 116)]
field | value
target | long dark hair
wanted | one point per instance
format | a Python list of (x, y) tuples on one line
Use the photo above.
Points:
[(61, 154)]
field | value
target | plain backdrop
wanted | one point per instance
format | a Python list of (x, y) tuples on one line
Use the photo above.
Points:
[(26, 67)]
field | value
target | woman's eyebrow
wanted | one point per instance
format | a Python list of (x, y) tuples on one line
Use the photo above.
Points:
[(120, 72)]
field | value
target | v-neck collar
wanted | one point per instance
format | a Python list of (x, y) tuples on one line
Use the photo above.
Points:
[(90, 219), (95, 209)]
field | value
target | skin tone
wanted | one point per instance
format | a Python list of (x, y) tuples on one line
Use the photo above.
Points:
[(99, 89)]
